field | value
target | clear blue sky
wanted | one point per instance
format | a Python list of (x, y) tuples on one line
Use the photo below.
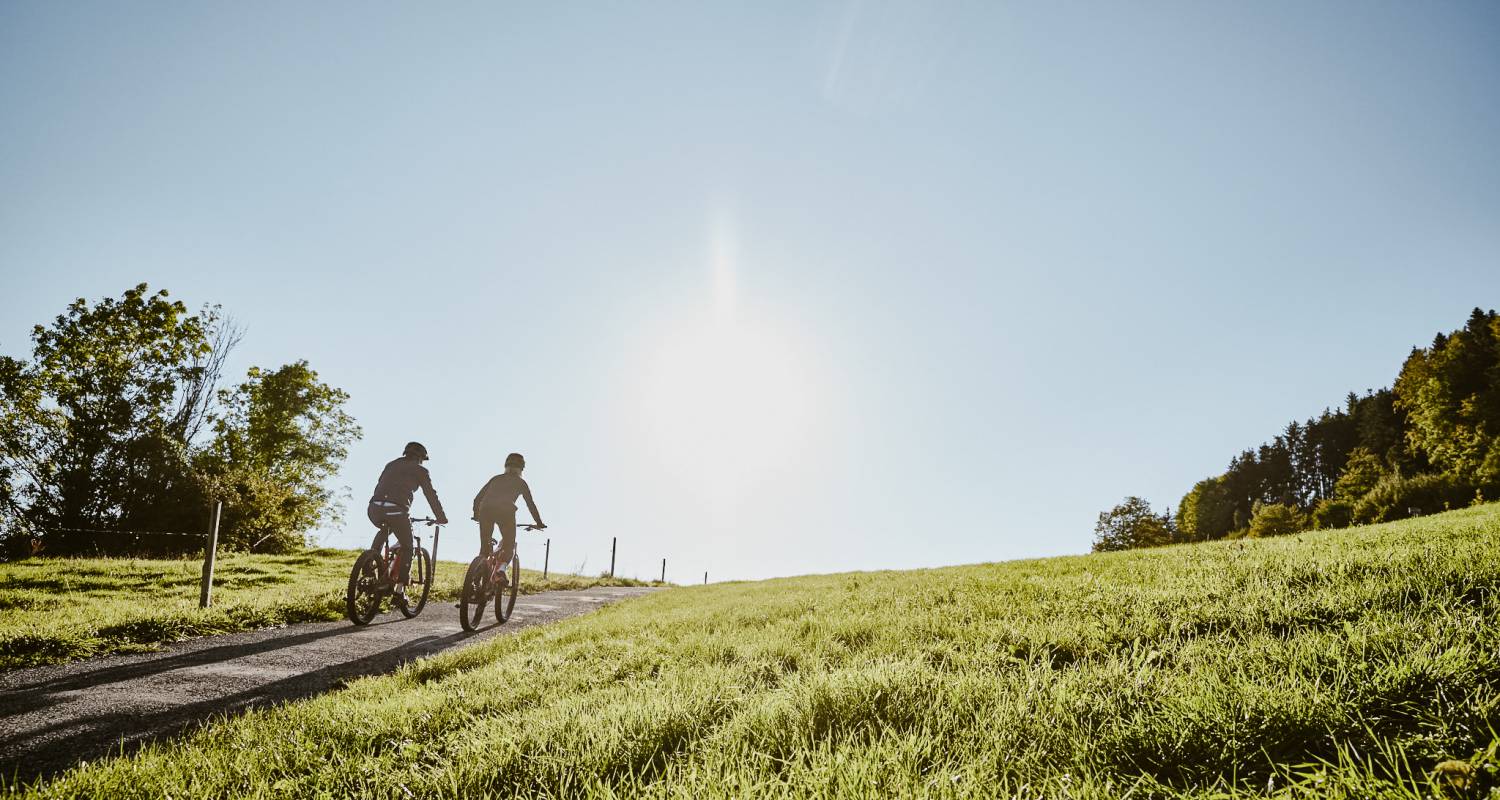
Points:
[(775, 288)]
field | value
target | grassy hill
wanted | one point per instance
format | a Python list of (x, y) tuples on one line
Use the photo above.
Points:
[(1337, 664), (62, 609)]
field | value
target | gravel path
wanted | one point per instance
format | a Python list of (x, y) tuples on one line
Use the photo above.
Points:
[(53, 717)]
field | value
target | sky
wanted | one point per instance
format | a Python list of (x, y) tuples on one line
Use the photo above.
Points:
[(774, 288)]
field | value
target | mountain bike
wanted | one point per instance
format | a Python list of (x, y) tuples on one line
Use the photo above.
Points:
[(489, 579), (373, 578)]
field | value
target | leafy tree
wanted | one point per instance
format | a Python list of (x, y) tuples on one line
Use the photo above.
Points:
[(1362, 471), (281, 438), (1206, 511), (102, 429), (1277, 519), (95, 426), (1132, 524), (1450, 393)]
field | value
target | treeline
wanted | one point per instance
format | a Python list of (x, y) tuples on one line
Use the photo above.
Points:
[(117, 429), (1429, 443)]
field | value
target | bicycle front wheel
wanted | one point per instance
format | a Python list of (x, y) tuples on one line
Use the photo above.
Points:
[(420, 583), (362, 601), (505, 602), (474, 594)]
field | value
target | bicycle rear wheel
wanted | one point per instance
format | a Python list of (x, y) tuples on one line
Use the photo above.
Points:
[(420, 583), (474, 594), (505, 602), (362, 601)]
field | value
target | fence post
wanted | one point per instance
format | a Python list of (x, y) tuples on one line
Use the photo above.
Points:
[(205, 594), (705, 578), (613, 540), (546, 558), (664, 570)]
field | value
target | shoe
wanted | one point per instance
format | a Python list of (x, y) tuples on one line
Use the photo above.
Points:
[(398, 600)]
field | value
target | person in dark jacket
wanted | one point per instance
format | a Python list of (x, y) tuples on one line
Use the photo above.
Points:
[(496, 505), (390, 505)]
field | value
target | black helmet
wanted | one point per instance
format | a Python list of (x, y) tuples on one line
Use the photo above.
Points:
[(515, 460), (415, 449)]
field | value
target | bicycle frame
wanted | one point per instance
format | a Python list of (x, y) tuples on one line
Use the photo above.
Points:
[(391, 557)]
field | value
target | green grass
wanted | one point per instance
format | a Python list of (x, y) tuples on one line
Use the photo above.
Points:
[(1336, 664), (61, 609)]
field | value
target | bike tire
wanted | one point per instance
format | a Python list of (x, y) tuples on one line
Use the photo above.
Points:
[(505, 602), (420, 584), (361, 601), (474, 594)]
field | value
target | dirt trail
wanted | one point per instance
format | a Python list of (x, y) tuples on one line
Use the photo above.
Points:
[(53, 717)]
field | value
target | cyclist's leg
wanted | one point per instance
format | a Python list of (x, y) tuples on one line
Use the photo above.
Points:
[(386, 516), (507, 534), (402, 530), (486, 532)]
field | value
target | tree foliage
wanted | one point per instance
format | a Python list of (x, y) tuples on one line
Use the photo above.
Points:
[(1131, 524), (1450, 393), (102, 428), (1430, 442), (278, 442)]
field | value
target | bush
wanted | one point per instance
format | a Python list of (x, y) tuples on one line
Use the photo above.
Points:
[(1395, 497), (1276, 519), (1332, 513)]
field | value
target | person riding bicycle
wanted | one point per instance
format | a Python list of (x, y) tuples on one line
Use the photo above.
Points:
[(496, 505), (390, 505)]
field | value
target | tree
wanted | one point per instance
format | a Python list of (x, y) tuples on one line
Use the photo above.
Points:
[(1450, 393), (1206, 511), (103, 429), (1131, 524), (281, 438), (95, 428), (1361, 472)]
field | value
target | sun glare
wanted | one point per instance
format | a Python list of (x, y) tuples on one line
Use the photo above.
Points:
[(727, 397)]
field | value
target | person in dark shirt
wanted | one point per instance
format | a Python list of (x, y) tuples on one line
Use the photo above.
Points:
[(390, 505), (496, 505)]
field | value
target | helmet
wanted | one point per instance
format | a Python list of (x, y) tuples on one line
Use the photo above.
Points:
[(415, 449), (515, 460)]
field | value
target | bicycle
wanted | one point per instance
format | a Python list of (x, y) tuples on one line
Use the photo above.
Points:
[(489, 579), (373, 577)]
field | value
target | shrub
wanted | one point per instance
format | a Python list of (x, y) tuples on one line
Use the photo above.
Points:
[(1276, 519), (1395, 497), (1331, 513)]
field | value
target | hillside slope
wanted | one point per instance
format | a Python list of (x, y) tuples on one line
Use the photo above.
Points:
[(1346, 663)]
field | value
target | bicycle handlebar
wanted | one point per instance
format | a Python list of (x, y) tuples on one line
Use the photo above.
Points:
[(429, 520)]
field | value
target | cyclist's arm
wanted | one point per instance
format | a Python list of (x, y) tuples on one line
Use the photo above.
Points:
[(432, 498), (530, 504)]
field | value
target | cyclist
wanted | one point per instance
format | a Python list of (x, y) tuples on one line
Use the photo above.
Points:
[(496, 505), (390, 506)]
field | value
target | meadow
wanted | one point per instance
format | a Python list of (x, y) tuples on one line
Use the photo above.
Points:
[(1357, 663), (62, 609)]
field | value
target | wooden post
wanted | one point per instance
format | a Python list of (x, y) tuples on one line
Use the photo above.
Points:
[(546, 558), (613, 540), (206, 592), (664, 570), (705, 578)]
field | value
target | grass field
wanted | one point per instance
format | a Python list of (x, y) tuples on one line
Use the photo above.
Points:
[(54, 610), (1336, 664)]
